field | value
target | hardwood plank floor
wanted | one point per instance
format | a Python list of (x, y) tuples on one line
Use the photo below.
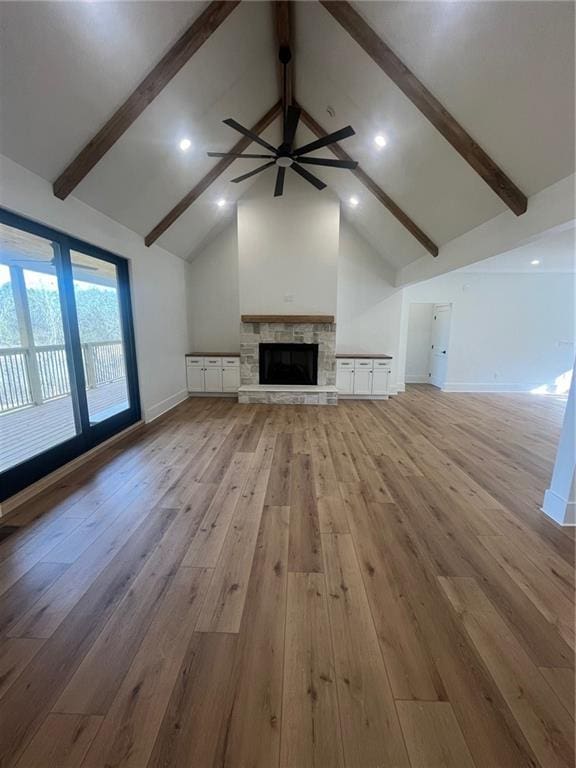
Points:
[(366, 586)]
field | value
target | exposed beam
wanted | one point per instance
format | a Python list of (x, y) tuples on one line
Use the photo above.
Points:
[(212, 175), (428, 104), (168, 66), (283, 18), (370, 184)]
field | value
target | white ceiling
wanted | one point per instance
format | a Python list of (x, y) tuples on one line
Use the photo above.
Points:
[(504, 69), (555, 252)]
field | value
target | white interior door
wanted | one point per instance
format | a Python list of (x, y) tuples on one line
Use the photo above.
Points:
[(439, 343)]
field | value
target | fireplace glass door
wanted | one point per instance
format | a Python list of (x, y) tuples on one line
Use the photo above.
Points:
[(288, 364)]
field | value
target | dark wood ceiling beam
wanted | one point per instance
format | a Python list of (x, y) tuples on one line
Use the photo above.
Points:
[(212, 175), (283, 19), (170, 64), (370, 184), (428, 104)]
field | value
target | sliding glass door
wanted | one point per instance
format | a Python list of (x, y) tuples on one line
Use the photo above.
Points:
[(68, 375)]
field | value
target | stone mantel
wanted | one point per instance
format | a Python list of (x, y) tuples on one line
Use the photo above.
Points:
[(288, 319)]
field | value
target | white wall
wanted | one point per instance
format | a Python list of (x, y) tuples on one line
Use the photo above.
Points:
[(418, 342), (213, 299), (369, 306), (288, 247), (158, 281), (509, 332)]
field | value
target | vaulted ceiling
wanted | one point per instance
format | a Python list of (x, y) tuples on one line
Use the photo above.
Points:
[(504, 70)]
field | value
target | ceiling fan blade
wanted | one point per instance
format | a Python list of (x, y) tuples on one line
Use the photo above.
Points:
[(253, 173), (279, 188), (292, 117), (329, 163), (314, 180), (250, 134), (343, 133), (236, 154)]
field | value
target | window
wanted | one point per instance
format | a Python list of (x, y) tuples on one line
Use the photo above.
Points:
[(68, 376)]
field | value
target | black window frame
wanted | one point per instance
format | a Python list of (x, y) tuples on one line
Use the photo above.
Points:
[(22, 475)]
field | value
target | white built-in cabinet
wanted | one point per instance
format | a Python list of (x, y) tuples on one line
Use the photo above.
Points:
[(212, 374), (363, 377)]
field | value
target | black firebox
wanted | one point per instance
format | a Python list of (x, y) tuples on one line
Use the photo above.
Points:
[(288, 363)]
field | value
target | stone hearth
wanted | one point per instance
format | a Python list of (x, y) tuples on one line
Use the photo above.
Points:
[(252, 334)]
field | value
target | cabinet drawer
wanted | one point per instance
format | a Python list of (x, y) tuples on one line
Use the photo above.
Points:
[(194, 361), (345, 363), (230, 362), (381, 364), (363, 365), (213, 362)]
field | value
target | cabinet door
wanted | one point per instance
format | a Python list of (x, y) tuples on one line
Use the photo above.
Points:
[(213, 379), (362, 382), (345, 381), (195, 378), (230, 379), (380, 381)]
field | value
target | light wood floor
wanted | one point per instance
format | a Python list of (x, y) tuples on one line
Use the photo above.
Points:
[(370, 586)]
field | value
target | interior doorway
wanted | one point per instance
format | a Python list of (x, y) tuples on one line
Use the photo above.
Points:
[(427, 341), (418, 342), (439, 338)]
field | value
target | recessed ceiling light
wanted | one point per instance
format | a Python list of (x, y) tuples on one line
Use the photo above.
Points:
[(380, 141), (535, 262), (185, 145), (221, 203), (353, 202)]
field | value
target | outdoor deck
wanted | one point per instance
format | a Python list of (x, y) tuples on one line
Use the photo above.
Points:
[(29, 431)]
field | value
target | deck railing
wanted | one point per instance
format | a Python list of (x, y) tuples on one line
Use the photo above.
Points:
[(32, 376)]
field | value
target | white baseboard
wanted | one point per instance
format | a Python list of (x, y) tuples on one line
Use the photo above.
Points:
[(154, 411), (423, 379), (487, 387)]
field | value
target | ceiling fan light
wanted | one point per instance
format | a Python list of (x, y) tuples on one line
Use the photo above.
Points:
[(284, 162)]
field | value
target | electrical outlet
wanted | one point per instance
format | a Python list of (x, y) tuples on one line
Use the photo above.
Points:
[(288, 298)]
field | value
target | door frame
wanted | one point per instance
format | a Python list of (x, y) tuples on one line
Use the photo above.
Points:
[(27, 472)]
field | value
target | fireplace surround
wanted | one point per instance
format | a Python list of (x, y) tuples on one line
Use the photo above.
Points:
[(319, 331)]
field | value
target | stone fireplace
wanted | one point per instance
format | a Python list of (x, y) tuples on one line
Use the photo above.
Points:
[(262, 332)]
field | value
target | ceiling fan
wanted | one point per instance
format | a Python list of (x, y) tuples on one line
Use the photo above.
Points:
[(286, 156)]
